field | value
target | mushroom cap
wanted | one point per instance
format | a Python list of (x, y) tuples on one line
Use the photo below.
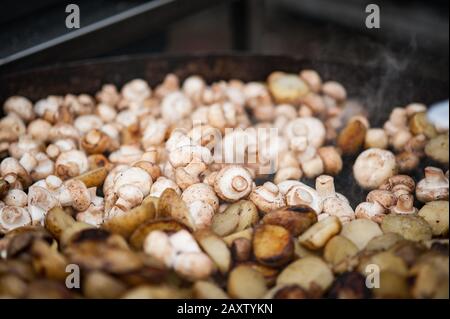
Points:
[(302, 194), (161, 184), (10, 165), (79, 194), (201, 214), (16, 197), (384, 197), (370, 210), (157, 244), (133, 176), (267, 197), (334, 206), (373, 167), (175, 106), (193, 266), (201, 192), (12, 217), (435, 186), (233, 182), (136, 90), (71, 164), (310, 127), (21, 106)]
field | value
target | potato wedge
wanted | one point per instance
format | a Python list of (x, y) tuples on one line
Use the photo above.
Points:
[(238, 216), (436, 214), (125, 224), (272, 245), (99, 285), (93, 178), (419, 124), (296, 219), (157, 292), (208, 290), (351, 138), (410, 227), (47, 261), (306, 272), (318, 234), (72, 232), (215, 248), (392, 286), (339, 248), (170, 205), (246, 283), (58, 220), (247, 233), (386, 261), (361, 231), (168, 225)]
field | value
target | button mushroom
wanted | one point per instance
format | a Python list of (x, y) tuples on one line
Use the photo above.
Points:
[(373, 167), (433, 187)]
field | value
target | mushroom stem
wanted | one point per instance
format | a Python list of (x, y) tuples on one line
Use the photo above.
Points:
[(239, 183), (325, 186)]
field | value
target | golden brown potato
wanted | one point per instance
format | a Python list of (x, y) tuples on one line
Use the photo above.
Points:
[(392, 286), (383, 242), (351, 138), (431, 275), (208, 290), (99, 285), (436, 214), (93, 178), (361, 231), (125, 224), (47, 261), (437, 148), (339, 248), (318, 234), (215, 248), (272, 245), (386, 261), (168, 225), (58, 220), (296, 219), (246, 233), (306, 272), (410, 227), (270, 274), (246, 283), (162, 291), (419, 124), (237, 217), (170, 205)]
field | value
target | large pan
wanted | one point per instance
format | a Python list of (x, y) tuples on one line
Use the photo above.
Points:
[(378, 88)]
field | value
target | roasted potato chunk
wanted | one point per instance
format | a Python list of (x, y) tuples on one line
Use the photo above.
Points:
[(272, 245)]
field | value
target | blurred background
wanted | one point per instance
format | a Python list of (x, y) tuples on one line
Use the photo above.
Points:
[(413, 34)]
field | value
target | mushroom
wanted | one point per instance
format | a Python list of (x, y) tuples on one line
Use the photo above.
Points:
[(433, 187), (16, 197), (126, 154), (373, 167), (399, 185), (267, 197), (371, 210), (74, 193), (384, 197), (71, 164), (233, 182), (334, 90), (202, 203), (404, 205), (297, 193), (134, 93), (312, 78), (332, 160), (334, 204), (12, 217), (21, 106), (376, 138), (175, 106), (190, 174), (161, 184), (11, 127), (11, 167), (108, 95), (96, 141), (308, 130), (23, 145)]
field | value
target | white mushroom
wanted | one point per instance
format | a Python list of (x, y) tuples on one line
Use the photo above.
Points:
[(233, 182), (267, 197), (161, 184), (202, 203), (298, 193), (21, 106), (433, 187), (12, 217), (373, 167), (175, 106), (71, 164)]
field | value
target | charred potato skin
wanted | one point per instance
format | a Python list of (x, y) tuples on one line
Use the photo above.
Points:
[(296, 219), (272, 245)]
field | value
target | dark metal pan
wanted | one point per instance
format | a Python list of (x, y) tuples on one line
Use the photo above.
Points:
[(379, 89)]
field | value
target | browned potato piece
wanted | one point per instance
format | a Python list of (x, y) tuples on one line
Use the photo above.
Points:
[(99, 285), (349, 285), (93, 178), (157, 292), (351, 138), (386, 261), (383, 242), (246, 283), (431, 277), (12, 286), (241, 249), (318, 234), (208, 290), (436, 214), (270, 274), (339, 248), (139, 235), (247, 233), (125, 224), (392, 285), (296, 219), (171, 205), (216, 248), (410, 227), (238, 216), (71, 232), (306, 272), (287, 88), (291, 292), (272, 245), (361, 231), (437, 148), (47, 261), (58, 220), (419, 124)]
